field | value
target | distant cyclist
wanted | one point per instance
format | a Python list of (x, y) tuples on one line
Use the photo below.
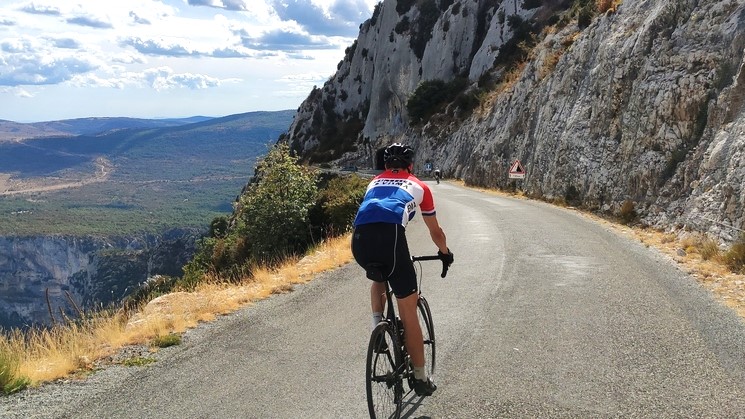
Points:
[(379, 238), (437, 176)]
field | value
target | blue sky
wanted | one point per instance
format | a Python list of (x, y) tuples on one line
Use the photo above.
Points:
[(62, 59)]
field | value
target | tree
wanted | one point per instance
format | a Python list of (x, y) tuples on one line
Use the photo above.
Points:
[(274, 209)]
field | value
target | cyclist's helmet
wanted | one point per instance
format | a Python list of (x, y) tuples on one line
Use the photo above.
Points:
[(398, 156)]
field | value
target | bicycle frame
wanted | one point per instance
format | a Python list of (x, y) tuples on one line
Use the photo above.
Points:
[(391, 315), (397, 365)]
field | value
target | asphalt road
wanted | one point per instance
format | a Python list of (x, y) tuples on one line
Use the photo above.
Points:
[(543, 315)]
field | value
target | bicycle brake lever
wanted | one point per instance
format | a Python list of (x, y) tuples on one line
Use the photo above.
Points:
[(445, 268)]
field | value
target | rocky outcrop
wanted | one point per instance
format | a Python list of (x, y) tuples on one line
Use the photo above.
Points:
[(641, 103), (81, 272)]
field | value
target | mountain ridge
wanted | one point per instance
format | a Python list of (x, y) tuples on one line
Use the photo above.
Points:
[(15, 131)]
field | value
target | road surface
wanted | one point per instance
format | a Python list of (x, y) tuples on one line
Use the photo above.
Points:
[(544, 314)]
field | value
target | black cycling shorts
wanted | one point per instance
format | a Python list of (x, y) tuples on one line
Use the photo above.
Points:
[(384, 245)]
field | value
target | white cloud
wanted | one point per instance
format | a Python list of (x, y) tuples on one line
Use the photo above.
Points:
[(23, 93), (159, 45)]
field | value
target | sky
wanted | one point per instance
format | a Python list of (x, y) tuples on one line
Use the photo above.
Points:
[(64, 59)]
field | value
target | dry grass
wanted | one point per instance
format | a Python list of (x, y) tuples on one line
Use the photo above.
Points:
[(512, 76), (549, 63), (700, 257), (47, 355), (604, 6)]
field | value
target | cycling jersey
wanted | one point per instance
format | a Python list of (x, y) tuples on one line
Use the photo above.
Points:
[(393, 197)]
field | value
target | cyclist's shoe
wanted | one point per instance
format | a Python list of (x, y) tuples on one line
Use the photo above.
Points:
[(381, 346), (424, 388)]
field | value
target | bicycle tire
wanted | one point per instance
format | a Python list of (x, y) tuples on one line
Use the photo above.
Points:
[(383, 378), (428, 334)]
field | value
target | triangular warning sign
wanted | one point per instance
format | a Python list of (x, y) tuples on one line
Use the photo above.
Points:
[(517, 168)]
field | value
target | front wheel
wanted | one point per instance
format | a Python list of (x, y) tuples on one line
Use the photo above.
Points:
[(428, 337), (428, 334), (383, 379)]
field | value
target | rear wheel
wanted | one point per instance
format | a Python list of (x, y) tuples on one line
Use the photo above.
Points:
[(383, 379)]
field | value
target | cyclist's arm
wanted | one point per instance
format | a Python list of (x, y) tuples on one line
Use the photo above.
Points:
[(436, 233)]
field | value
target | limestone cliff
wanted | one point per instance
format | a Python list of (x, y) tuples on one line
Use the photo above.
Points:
[(81, 272), (602, 102)]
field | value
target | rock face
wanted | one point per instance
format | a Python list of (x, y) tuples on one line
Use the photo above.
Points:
[(641, 103), (86, 272)]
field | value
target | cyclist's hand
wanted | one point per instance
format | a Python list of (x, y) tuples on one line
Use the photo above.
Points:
[(446, 258)]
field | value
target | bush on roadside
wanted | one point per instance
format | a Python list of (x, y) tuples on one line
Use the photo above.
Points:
[(285, 209), (10, 380), (702, 244), (273, 213), (709, 249), (165, 341), (152, 288), (734, 258), (627, 213), (336, 205)]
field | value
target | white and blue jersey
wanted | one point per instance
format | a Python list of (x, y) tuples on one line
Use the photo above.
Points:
[(393, 197)]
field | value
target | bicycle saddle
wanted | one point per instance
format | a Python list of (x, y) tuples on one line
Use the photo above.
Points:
[(374, 271)]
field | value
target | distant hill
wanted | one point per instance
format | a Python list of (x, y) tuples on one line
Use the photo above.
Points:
[(13, 131), (130, 174), (211, 138)]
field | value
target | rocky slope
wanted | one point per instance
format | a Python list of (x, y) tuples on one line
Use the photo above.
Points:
[(603, 102), (80, 272)]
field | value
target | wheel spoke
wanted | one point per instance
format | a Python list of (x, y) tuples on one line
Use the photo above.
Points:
[(384, 388)]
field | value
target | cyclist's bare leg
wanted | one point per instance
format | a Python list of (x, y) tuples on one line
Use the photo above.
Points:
[(412, 332), (377, 296)]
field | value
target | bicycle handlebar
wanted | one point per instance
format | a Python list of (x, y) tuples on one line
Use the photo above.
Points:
[(445, 267)]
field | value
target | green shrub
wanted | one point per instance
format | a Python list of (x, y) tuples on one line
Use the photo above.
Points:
[(426, 99), (468, 101), (285, 209), (403, 25), (376, 13), (585, 11), (199, 265), (165, 341), (403, 6), (219, 226), (154, 287), (10, 382), (431, 96), (423, 26), (572, 196), (274, 209), (337, 204)]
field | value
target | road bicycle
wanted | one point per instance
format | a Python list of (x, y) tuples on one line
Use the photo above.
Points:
[(388, 363)]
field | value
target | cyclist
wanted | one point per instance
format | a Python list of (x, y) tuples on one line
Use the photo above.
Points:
[(379, 239), (437, 175)]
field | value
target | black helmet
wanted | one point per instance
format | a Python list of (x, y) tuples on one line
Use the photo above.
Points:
[(398, 156)]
